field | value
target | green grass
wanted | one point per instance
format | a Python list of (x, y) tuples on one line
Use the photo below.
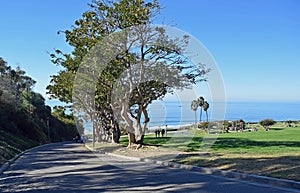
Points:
[(262, 142), (274, 153), (11, 145), (277, 140)]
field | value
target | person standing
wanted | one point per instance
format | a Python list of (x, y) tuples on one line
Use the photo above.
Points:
[(158, 131), (166, 130)]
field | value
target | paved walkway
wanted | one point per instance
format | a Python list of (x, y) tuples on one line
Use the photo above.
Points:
[(69, 167)]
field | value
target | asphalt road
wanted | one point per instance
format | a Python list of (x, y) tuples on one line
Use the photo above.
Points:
[(69, 167)]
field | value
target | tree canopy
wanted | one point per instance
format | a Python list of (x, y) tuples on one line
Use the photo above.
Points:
[(125, 84), (266, 123)]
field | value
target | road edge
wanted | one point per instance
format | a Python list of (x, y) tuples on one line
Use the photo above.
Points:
[(281, 183)]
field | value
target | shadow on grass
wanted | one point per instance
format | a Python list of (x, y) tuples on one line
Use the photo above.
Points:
[(277, 129), (225, 143), (189, 144), (229, 143), (156, 141), (149, 141), (285, 167), (270, 161)]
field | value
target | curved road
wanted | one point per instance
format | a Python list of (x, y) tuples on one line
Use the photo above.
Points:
[(69, 167)]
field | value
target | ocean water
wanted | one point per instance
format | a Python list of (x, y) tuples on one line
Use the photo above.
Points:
[(175, 114), (179, 113)]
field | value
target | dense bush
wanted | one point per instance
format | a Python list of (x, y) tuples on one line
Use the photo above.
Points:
[(266, 123)]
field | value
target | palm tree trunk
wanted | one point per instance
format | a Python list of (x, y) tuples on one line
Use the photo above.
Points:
[(206, 116), (200, 114)]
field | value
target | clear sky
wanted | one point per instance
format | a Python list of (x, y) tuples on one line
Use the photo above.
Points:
[(256, 44)]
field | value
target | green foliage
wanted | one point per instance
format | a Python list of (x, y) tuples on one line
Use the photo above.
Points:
[(266, 123), (200, 102), (62, 125), (239, 124), (24, 117), (203, 125), (194, 105), (205, 109), (13, 82), (227, 124), (103, 18)]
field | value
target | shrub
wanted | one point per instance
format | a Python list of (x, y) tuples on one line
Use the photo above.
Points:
[(266, 123)]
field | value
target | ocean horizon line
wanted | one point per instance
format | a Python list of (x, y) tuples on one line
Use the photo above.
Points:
[(176, 112), (187, 123)]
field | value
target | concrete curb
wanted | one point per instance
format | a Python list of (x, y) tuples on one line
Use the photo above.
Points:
[(11, 161), (282, 183), (6, 165)]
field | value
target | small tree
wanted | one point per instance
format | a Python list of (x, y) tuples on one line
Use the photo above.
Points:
[(205, 108), (226, 126), (194, 107), (203, 125), (266, 123), (239, 125)]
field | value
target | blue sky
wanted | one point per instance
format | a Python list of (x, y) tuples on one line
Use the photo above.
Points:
[(256, 44)]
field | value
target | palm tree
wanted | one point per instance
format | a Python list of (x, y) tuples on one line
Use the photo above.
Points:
[(194, 107), (200, 104), (205, 108)]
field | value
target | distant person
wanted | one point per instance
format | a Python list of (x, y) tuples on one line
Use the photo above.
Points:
[(166, 130), (163, 133), (156, 132)]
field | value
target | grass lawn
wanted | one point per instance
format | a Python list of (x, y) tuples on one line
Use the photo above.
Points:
[(274, 153)]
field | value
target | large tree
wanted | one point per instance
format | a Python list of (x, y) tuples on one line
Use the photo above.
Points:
[(146, 65), (157, 67), (12, 83), (23, 111), (103, 18)]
